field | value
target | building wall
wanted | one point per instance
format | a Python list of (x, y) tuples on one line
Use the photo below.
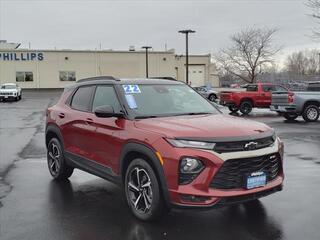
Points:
[(122, 64), (210, 76)]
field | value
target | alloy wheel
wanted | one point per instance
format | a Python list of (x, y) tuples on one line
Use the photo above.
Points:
[(140, 190), (54, 159), (312, 113)]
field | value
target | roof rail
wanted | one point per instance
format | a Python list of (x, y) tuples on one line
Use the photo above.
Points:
[(166, 78), (98, 78)]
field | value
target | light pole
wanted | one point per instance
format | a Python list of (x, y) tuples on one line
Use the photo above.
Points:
[(186, 32), (147, 70)]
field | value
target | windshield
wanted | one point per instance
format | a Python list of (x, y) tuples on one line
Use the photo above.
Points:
[(165, 100), (8, 87)]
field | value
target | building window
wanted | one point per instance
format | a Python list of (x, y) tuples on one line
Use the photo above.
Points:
[(24, 76), (67, 76)]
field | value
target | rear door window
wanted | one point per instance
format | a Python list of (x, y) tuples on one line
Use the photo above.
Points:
[(82, 98)]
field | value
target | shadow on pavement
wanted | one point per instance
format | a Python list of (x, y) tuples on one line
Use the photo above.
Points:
[(99, 213)]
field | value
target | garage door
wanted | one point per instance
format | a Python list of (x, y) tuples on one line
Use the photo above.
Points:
[(197, 75)]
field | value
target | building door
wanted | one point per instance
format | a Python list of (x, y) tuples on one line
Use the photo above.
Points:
[(197, 75)]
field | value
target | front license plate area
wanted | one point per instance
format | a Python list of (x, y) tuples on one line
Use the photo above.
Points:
[(256, 179)]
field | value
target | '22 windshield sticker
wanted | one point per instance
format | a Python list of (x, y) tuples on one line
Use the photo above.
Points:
[(129, 89)]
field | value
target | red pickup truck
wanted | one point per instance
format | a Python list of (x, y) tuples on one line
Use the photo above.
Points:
[(256, 95)]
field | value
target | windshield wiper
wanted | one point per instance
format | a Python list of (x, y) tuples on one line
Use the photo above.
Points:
[(193, 113), (145, 116)]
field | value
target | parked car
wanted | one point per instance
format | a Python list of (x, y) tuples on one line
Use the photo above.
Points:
[(10, 91), (314, 86), (305, 104), (207, 93), (256, 95), (165, 149)]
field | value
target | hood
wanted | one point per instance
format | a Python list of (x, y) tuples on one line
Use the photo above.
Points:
[(204, 126)]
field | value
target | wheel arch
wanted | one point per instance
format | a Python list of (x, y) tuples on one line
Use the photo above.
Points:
[(310, 102), (246, 99), (53, 131), (133, 150)]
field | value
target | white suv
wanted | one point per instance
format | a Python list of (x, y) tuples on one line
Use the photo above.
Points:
[(10, 91)]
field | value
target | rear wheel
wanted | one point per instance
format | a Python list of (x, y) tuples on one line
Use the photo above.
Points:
[(233, 109), (212, 98), (143, 191), (311, 113), (290, 116), (58, 168), (246, 107)]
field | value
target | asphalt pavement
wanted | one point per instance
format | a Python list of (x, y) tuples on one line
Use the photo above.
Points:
[(32, 206)]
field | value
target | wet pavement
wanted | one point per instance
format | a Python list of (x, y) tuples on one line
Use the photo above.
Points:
[(32, 206)]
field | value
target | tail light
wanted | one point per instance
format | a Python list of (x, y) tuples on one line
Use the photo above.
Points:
[(290, 97)]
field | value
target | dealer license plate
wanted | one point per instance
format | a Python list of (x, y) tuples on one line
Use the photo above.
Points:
[(256, 179)]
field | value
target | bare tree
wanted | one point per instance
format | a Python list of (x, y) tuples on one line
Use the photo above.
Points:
[(251, 50), (314, 5), (303, 62)]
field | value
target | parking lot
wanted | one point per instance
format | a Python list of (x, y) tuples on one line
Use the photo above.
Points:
[(32, 206)]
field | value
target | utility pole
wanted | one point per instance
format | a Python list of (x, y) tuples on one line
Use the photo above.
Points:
[(186, 32), (147, 61)]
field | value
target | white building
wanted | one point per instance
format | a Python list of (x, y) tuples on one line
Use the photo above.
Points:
[(57, 68)]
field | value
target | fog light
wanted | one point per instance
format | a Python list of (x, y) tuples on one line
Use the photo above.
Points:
[(190, 165), (193, 198), (190, 168)]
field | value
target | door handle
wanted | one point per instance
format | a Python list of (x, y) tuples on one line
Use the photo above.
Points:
[(61, 115), (89, 120)]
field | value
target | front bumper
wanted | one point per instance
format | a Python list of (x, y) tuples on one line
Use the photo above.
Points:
[(283, 108), (199, 193), (9, 97), (227, 103)]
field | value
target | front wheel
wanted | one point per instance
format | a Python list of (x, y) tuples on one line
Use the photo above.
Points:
[(311, 113), (246, 107), (143, 191), (57, 165)]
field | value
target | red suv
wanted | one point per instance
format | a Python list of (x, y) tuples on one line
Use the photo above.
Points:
[(163, 142)]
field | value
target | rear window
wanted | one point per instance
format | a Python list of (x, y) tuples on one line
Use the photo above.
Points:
[(82, 98), (252, 88)]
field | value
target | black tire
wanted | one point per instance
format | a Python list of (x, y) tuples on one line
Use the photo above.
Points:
[(311, 113), (290, 116), (20, 97), (57, 165), (212, 97), (138, 197), (246, 107), (16, 99), (233, 109)]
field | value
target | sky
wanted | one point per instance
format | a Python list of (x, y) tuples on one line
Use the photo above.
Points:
[(85, 24)]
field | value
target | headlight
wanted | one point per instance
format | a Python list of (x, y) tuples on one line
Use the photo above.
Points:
[(280, 147), (191, 144), (190, 165)]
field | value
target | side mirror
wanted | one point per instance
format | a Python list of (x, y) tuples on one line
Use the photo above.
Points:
[(106, 111)]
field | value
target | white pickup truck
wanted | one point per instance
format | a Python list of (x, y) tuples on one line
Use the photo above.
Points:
[(306, 104), (10, 91)]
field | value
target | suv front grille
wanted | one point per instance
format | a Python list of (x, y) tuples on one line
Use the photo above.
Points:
[(233, 172), (223, 147), (6, 94)]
